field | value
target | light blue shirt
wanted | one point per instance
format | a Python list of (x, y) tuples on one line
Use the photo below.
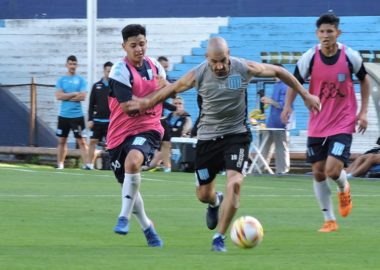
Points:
[(70, 84)]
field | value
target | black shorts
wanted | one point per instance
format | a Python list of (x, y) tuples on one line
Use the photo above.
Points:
[(99, 130), (228, 152), (66, 124), (337, 146), (146, 143)]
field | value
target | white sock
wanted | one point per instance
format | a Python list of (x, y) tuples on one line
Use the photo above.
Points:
[(60, 165), (129, 192), (341, 181), (217, 201), (139, 212), (323, 194)]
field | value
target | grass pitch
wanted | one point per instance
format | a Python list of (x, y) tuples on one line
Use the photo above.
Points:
[(53, 219)]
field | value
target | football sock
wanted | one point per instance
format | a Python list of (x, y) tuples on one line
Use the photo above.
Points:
[(323, 194), (129, 192), (216, 235), (217, 201), (341, 181), (139, 212)]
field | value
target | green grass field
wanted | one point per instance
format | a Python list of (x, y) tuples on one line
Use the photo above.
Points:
[(53, 219)]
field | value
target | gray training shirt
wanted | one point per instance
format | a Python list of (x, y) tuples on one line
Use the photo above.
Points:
[(223, 100)]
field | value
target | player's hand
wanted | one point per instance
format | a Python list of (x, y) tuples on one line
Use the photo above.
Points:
[(161, 81), (313, 103), (137, 105), (90, 124), (285, 114), (266, 100), (362, 121)]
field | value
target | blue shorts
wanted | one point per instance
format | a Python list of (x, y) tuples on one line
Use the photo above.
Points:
[(338, 146), (145, 142)]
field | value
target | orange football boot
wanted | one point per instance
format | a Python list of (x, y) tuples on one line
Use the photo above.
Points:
[(329, 226), (345, 202)]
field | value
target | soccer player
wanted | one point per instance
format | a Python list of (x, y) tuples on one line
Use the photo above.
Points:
[(133, 138), (223, 134), (330, 66), (71, 90), (98, 113)]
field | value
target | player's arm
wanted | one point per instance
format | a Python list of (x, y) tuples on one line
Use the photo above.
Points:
[(267, 70), (184, 83), (362, 115), (61, 95), (270, 71), (81, 96)]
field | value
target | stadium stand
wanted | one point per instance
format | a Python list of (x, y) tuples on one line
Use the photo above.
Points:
[(49, 41), (264, 39)]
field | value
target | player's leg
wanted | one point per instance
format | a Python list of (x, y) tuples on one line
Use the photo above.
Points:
[(339, 153), (78, 127), (208, 163), (92, 152), (267, 148), (165, 150), (322, 193), (317, 150), (140, 149), (62, 132), (282, 151), (96, 135), (231, 200), (61, 152)]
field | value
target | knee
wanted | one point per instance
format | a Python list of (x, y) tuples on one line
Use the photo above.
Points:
[(204, 195), (333, 173), (134, 161)]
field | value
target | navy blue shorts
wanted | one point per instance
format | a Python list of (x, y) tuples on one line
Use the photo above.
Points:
[(145, 142), (337, 146), (99, 130), (228, 152)]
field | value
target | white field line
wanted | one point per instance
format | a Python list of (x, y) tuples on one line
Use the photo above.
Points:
[(168, 196)]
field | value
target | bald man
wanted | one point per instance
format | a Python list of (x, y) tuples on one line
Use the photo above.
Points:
[(221, 82)]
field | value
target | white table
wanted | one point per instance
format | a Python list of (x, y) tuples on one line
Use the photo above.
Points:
[(258, 146)]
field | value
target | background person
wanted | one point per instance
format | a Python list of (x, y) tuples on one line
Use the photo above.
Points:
[(363, 163), (179, 121), (98, 113), (277, 140), (71, 90)]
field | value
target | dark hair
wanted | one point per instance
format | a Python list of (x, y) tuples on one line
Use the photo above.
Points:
[(72, 58), (328, 18), (132, 30), (107, 64), (162, 58)]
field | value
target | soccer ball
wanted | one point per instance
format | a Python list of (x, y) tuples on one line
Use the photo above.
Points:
[(246, 232)]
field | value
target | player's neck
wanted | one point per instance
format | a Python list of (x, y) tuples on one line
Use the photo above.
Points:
[(330, 51), (137, 64)]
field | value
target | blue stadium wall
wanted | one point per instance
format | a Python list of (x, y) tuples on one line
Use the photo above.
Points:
[(28, 9)]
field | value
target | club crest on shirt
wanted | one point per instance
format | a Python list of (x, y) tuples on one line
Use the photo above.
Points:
[(234, 82), (341, 77)]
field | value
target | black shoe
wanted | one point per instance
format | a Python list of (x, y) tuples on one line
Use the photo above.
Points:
[(212, 215)]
